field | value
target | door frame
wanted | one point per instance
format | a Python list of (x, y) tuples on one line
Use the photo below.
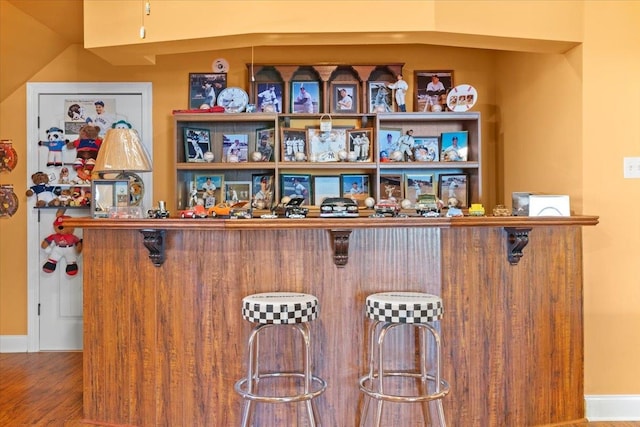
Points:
[(34, 91)]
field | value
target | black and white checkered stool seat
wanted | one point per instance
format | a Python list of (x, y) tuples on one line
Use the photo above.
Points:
[(404, 307), (280, 308)]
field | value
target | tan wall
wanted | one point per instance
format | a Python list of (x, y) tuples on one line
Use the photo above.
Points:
[(550, 124)]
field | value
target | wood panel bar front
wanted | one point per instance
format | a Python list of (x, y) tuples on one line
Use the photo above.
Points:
[(164, 345)]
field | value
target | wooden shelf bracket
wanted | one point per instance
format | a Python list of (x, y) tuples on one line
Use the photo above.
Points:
[(154, 242), (340, 247), (517, 239)]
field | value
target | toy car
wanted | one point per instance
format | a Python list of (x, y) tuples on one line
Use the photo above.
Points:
[(240, 213), (224, 208), (476, 209), (197, 211), (292, 208), (386, 207), (157, 213), (340, 207), (427, 205)]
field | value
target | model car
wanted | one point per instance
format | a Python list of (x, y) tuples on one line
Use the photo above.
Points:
[(224, 208), (386, 207), (427, 205), (197, 211), (476, 209), (340, 207), (293, 208), (240, 213), (157, 213)]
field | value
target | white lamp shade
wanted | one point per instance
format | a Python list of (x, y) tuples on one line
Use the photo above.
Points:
[(121, 150)]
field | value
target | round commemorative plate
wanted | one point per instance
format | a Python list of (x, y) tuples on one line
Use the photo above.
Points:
[(462, 98), (8, 156), (233, 99)]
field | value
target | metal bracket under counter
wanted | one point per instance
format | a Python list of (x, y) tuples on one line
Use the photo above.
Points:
[(154, 241), (517, 239)]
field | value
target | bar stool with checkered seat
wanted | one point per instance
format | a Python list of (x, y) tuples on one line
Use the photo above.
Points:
[(280, 309), (389, 310)]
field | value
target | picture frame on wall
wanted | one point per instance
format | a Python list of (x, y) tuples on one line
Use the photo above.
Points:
[(359, 142), (265, 143), (380, 97), (325, 187), (294, 144), (237, 191), (296, 185), (305, 97), (235, 147), (392, 186), (325, 146), (197, 141), (344, 97), (454, 146), (453, 189), (417, 185), (262, 186), (268, 97), (387, 142), (431, 89), (355, 187), (208, 187), (426, 148), (204, 89)]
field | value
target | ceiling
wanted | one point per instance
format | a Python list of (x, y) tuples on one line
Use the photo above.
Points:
[(69, 27)]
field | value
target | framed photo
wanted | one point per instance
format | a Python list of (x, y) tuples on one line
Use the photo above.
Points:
[(359, 142), (431, 90), (454, 189), (325, 146), (107, 194), (305, 97), (237, 191), (426, 148), (262, 191), (344, 97), (418, 184), (235, 148), (325, 186), (391, 186), (380, 97), (355, 187), (204, 88), (208, 188), (196, 143), (455, 146), (268, 97), (265, 142), (294, 144), (296, 186), (387, 141)]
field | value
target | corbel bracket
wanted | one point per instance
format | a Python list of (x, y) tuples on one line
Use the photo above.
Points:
[(154, 242), (340, 247), (517, 239)]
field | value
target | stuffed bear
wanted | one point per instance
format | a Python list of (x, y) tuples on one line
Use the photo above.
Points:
[(121, 124), (87, 146), (62, 244), (55, 142), (46, 195)]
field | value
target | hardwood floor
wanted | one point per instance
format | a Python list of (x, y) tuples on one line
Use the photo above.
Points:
[(45, 389)]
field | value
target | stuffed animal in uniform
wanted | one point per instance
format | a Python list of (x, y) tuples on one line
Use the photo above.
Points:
[(55, 143), (62, 244)]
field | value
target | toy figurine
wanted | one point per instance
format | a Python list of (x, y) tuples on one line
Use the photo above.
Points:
[(62, 244), (55, 142)]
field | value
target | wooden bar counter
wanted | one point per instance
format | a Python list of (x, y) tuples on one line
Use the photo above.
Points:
[(164, 339)]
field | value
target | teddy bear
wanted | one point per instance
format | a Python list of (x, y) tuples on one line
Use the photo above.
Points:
[(55, 142), (62, 244), (87, 146), (46, 195)]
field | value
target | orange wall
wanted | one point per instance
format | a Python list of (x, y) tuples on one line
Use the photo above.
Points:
[(551, 122)]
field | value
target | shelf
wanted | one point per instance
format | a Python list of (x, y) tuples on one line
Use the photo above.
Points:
[(199, 166), (429, 165)]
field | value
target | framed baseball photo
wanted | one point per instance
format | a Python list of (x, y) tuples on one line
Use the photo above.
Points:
[(388, 142), (262, 191), (455, 146), (196, 143), (431, 90), (426, 148), (204, 89), (207, 187), (235, 148), (305, 97), (326, 146), (268, 97), (380, 99), (359, 143), (265, 143), (391, 186), (417, 185), (294, 145), (237, 191), (324, 187), (296, 185), (344, 97), (355, 187), (453, 189)]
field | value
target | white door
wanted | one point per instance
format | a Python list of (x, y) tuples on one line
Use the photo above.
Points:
[(55, 295)]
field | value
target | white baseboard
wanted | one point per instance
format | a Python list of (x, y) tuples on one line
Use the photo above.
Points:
[(13, 343), (613, 407)]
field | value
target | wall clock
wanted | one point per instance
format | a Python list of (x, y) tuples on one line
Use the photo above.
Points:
[(233, 99)]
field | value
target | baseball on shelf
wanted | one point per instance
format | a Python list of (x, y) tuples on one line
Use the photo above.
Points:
[(406, 204), (342, 154), (369, 202), (256, 156), (396, 156), (208, 156)]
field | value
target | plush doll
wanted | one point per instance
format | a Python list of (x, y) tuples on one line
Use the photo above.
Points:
[(62, 244), (55, 142), (121, 124), (87, 146), (46, 195)]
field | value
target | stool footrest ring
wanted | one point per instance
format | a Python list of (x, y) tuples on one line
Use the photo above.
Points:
[(365, 387), (319, 383)]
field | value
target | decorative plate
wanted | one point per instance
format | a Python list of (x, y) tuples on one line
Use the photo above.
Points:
[(8, 201), (233, 99), (8, 156), (462, 98)]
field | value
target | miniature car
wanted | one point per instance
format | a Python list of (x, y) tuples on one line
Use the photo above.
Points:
[(386, 207), (341, 207), (240, 213), (224, 208), (197, 211), (427, 205), (292, 208), (157, 213), (476, 209)]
